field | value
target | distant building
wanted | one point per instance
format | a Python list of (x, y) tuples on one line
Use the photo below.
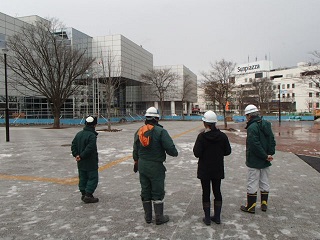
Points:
[(297, 93)]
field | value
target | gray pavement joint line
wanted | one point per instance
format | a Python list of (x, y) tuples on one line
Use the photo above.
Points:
[(74, 180), (180, 220)]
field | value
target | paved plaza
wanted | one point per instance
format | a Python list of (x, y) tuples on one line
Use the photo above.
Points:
[(40, 199)]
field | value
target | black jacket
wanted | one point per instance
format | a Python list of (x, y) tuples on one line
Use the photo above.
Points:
[(211, 147)]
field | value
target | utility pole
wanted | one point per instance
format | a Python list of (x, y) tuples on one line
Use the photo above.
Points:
[(279, 104), (5, 50)]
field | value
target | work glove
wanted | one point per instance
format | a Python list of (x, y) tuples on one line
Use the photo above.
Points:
[(135, 166)]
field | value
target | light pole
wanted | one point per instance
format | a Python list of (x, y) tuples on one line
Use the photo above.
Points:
[(279, 87), (6, 92), (279, 104)]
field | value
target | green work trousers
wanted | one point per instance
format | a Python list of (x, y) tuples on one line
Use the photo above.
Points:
[(152, 176), (88, 180)]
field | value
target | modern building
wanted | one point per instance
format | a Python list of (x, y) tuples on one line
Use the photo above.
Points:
[(128, 62), (181, 95)]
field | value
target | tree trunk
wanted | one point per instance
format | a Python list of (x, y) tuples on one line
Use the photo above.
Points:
[(225, 118), (109, 116), (182, 110), (162, 107), (56, 119), (56, 111)]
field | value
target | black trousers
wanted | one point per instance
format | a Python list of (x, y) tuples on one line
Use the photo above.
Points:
[(216, 184)]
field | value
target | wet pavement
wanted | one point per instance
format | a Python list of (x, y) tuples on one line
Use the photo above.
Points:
[(301, 137), (40, 200)]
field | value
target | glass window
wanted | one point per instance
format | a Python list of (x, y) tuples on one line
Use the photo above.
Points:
[(317, 94), (288, 95), (283, 86), (288, 86), (317, 105), (310, 85), (283, 95), (310, 94), (293, 94), (292, 85)]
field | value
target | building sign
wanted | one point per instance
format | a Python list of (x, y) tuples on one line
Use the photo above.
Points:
[(260, 66)]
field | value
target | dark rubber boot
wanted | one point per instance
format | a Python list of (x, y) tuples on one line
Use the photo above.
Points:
[(206, 209), (83, 193), (158, 210), (89, 198), (251, 203), (264, 201), (217, 212), (147, 207)]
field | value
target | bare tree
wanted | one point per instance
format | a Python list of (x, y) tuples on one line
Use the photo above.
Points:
[(313, 70), (187, 88), (160, 81), (111, 80), (309, 104), (240, 95), (46, 63), (264, 92), (218, 84)]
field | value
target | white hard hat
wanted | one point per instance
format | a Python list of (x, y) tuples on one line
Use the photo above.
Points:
[(250, 109), (152, 112), (210, 117), (91, 121)]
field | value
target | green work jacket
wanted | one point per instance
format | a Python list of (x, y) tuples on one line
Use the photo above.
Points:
[(160, 144), (85, 145), (260, 143)]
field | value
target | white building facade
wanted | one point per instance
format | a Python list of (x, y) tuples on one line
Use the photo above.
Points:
[(292, 86), (296, 91)]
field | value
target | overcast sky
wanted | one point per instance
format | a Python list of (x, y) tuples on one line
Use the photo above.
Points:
[(194, 33)]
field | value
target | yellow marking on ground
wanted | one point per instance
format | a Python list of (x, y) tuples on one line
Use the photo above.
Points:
[(68, 181), (74, 180), (183, 133), (111, 164)]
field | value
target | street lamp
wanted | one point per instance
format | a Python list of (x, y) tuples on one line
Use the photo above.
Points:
[(279, 87), (279, 104), (5, 50)]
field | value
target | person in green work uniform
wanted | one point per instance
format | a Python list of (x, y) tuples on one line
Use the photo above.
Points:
[(84, 149), (260, 148), (151, 144)]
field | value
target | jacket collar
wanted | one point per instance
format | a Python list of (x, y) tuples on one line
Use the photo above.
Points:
[(252, 120), (90, 129)]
